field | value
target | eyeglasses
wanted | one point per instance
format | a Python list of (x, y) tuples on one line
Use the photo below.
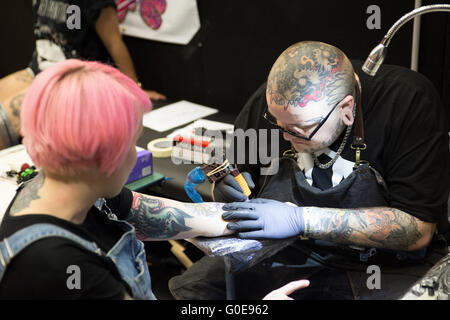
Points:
[(271, 119)]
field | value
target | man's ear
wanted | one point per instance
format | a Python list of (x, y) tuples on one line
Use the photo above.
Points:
[(347, 105)]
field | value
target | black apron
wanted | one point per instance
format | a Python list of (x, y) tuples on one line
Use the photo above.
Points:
[(364, 187)]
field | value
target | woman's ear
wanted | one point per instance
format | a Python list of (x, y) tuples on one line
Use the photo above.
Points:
[(347, 105)]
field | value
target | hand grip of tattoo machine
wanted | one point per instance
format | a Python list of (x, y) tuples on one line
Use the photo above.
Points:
[(241, 180)]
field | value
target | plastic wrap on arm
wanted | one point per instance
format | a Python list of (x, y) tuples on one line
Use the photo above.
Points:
[(240, 254)]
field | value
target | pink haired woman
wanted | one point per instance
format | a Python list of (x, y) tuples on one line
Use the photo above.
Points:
[(61, 238), (80, 123)]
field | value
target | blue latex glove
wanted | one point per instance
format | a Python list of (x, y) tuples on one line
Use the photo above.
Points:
[(229, 190), (263, 218)]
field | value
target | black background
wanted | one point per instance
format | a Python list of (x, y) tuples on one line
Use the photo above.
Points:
[(232, 53), (239, 40)]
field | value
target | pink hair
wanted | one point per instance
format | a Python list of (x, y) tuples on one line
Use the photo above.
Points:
[(79, 115)]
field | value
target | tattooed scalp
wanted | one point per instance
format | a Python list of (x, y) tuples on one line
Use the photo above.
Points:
[(310, 71)]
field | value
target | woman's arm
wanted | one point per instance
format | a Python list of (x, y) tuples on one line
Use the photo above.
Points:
[(163, 219), (107, 28)]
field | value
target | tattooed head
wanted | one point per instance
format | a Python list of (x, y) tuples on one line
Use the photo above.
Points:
[(310, 71)]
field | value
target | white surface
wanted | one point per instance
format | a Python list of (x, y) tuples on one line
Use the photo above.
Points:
[(175, 115), (180, 22), (202, 123), (197, 154), (12, 158)]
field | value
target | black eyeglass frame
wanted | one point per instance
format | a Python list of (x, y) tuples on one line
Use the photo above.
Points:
[(266, 117)]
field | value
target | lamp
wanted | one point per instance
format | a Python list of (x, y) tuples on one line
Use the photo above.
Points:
[(377, 55)]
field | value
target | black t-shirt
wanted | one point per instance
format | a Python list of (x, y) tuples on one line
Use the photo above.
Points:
[(40, 271), (406, 135), (55, 41)]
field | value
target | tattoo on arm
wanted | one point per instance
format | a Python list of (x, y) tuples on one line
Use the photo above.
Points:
[(376, 227), (16, 103), (212, 209), (24, 76), (163, 219), (29, 193), (154, 220)]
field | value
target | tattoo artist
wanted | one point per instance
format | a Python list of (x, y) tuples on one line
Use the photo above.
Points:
[(367, 167)]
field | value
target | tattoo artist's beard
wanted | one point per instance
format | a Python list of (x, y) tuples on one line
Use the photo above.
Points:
[(304, 146)]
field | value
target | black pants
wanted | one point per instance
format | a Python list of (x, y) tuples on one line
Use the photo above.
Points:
[(205, 280)]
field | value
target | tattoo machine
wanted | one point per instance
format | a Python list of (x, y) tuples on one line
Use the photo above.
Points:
[(26, 173), (195, 177), (216, 172), (216, 168)]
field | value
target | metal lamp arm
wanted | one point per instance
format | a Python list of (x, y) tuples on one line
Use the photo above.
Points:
[(377, 55)]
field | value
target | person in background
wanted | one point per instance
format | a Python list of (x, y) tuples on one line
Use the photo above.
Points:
[(98, 37)]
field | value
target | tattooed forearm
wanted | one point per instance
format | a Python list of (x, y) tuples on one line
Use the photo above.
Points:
[(211, 209), (375, 227), (163, 219), (153, 219), (29, 193)]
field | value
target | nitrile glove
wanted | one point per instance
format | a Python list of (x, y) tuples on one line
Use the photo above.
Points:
[(229, 190), (264, 218)]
